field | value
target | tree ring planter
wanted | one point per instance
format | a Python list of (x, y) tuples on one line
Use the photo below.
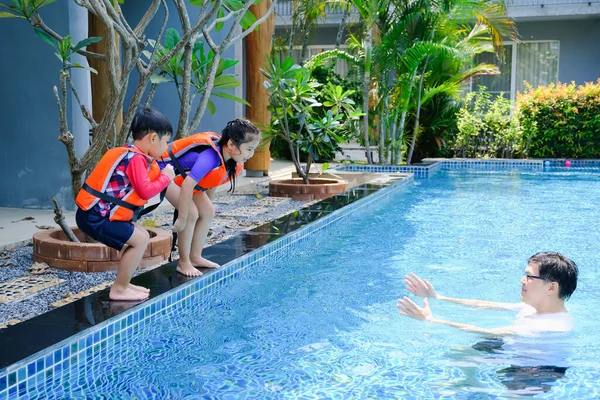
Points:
[(53, 248), (296, 188)]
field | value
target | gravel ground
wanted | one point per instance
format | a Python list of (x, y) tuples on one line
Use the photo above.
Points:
[(233, 216)]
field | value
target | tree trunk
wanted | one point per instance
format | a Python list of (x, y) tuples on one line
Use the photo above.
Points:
[(100, 82), (258, 48), (366, 86), (341, 28), (418, 114)]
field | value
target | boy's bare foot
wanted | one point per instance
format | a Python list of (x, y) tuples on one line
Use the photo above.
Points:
[(139, 288), (127, 294), (203, 262), (187, 269)]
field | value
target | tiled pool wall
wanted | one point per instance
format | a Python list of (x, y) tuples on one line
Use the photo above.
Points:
[(432, 165), (30, 374)]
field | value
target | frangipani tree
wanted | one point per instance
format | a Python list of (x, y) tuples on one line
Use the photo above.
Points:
[(126, 47)]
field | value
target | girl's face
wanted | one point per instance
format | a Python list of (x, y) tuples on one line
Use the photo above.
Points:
[(244, 152)]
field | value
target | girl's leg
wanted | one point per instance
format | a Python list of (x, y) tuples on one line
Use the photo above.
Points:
[(130, 260), (184, 238), (206, 214)]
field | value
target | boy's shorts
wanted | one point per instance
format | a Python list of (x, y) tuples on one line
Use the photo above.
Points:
[(114, 234)]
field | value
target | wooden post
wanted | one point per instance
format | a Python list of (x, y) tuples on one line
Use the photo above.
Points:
[(258, 47), (100, 81)]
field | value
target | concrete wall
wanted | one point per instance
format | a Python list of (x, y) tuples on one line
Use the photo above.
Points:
[(166, 99), (579, 50), (33, 163)]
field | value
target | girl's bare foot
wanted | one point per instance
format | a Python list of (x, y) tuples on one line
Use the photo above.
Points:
[(203, 262), (139, 288), (127, 294), (187, 269)]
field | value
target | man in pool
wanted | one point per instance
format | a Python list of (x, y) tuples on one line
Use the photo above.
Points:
[(550, 279)]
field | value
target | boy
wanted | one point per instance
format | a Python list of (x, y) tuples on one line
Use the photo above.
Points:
[(116, 191)]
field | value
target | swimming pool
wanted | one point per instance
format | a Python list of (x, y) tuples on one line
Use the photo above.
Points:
[(319, 320)]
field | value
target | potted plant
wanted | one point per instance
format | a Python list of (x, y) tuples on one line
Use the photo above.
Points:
[(311, 118)]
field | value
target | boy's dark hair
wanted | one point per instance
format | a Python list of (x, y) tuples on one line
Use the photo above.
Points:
[(555, 267), (239, 131), (148, 120)]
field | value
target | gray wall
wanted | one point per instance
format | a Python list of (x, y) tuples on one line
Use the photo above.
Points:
[(32, 161), (166, 99), (579, 48)]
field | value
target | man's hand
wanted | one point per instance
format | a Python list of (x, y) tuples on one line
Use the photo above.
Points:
[(409, 309), (179, 225), (168, 171), (418, 287)]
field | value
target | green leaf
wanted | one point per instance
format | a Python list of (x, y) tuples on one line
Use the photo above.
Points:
[(46, 38), (220, 14), (76, 65), (86, 42), (324, 167), (226, 82), (171, 38), (4, 14), (247, 20), (231, 97), (197, 3), (160, 79), (211, 107)]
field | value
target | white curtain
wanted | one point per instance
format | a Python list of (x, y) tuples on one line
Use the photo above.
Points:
[(537, 64)]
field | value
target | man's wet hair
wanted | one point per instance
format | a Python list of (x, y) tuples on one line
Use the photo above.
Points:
[(555, 267)]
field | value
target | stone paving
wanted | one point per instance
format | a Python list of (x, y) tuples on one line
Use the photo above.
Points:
[(22, 298)]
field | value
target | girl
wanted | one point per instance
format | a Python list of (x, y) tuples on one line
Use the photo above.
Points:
[(202, 162)]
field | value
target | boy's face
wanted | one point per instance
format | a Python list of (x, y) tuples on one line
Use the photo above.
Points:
[(158, 145), (535, 291), (244, 152)]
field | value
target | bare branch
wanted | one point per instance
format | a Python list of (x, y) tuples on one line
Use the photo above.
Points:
[(84, 111), (183, 15), (224, 19), (98, 8), (202, 20), (161, 31), (184, 112), (60, 221), (150, 95), (209, 40), (36, 21), (237, 20), (149, 16), (206, 92), (252, 27)]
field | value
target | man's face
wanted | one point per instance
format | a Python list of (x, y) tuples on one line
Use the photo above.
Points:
[(533, 289)]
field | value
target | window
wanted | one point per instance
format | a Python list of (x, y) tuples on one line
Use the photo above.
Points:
[(532, 62)]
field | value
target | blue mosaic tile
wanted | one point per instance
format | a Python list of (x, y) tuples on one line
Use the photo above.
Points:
[(31, 370)]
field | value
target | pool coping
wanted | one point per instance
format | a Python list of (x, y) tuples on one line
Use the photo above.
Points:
[(21, 374)]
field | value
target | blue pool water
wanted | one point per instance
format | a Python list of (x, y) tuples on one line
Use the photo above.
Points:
[(322, 322)]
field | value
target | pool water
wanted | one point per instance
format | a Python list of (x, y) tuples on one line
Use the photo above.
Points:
[(321, 321)]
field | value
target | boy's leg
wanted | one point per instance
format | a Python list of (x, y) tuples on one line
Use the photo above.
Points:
[(184, 238), (130, 260), (206, 214)]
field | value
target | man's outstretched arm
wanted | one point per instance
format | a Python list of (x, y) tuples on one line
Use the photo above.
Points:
[(423, 288), (409, 309)]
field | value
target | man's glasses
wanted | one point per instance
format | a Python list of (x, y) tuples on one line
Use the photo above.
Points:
[(535, 277)]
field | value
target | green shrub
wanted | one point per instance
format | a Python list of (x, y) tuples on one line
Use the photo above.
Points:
[(486, 127), (561, 121)]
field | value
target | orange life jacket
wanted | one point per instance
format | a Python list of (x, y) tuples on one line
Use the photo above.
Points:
[(94, 189), (214, 178)]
